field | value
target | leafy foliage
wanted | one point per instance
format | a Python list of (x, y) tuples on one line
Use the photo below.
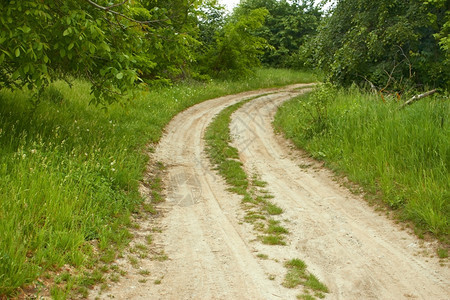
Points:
[(114, 47), (389, 43), (287, 26), (236, 49)]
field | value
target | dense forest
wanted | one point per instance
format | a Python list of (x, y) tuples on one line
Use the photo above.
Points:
[(70, 170), (119, 45)]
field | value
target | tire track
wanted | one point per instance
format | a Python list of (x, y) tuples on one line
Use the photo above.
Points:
[(355, 251)]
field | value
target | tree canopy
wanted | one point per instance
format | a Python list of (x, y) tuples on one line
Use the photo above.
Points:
[(287, 26), (390, 43), (117, 45)]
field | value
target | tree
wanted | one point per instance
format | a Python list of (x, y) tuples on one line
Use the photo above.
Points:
[(236, 49), (287, 26), (115, 45), (389, 43)]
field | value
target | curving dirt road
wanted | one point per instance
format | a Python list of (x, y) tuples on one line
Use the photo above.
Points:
[(212, 254)]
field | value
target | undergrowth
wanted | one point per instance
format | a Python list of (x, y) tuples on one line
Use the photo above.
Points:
[(401, 156), (69, 175)]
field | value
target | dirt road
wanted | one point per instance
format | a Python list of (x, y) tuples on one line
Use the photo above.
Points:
[(212, 254)]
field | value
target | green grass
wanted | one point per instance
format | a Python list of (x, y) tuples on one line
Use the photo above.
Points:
[(399, 156), (298, 275), (69, 171), (225, 159)]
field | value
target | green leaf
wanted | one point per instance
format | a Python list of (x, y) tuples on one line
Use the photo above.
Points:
[(70, 46), (17, 52), (26, 29), (2, 58), (119, 75), (66, 32)]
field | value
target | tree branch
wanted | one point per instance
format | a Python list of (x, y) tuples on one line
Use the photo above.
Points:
[(417, 97)]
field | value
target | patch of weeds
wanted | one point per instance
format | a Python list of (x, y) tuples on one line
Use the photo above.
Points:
[(276, 228), (149, 239), (133, 261), (253, 216), (248, 199), (314, 284), (298, 275), (273, 240), (114, 277), (161, 256), (63, 277), (160, 166), (306, 297), (419, 232), (156, 197), (156, 229), (262, 256), (157, 281), (259, 226), (148, 208), (268, 196), (141, 247), (143, 280), (273, 209), (271, 277), (83, 291), (57, 292), (144, 272), (304, 166), (257, 182), (442, 253), (89, 279), (104, 287), (104, 269), (108, 256), (114, 268)]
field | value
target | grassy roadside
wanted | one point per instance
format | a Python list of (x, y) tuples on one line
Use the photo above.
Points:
[(69, 174), (400, 156)]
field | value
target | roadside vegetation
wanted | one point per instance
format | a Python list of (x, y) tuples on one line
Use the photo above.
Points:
[(69, 171), (398, 155)]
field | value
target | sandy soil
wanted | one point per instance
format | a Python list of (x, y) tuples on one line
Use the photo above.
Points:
[(212, 254)]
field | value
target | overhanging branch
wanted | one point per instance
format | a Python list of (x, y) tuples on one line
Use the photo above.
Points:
[(109, 10)]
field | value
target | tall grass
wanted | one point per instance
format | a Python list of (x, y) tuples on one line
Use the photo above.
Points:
[(69, 172), (403, 155)]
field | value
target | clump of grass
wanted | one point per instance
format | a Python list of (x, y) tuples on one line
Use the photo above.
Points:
[(273, 209), (401, 156), (298, 275), (275, 228), (442, 253), (144, 272), (262, 256), (273, 239)]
